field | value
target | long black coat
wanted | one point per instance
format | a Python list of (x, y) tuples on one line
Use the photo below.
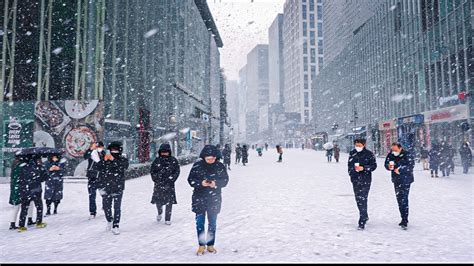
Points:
[(164, 172), (434, 158), (30, 179), (93, 171), (466, 155), (227, 153), (54, 184), (405, 163), (366, 159), (245, 155), (112, 177), (446, 156), (238, 152)]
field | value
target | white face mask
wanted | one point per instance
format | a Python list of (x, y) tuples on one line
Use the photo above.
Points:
[(359, 149), (100, 149), (396, 153)]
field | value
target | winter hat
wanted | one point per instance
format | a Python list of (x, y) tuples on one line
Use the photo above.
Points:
[(115, 145), (165, 147), (100, 144), (209, 150)]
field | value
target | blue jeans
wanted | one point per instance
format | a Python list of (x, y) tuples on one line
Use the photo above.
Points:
[(92, 189), (211, 228)]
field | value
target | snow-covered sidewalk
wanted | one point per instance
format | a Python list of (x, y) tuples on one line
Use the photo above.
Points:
[(301, 210)]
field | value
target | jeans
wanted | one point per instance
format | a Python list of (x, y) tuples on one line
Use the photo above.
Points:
[(465, 166), (445, 170), (116, 200), (361, 192), (329, 158), (211, 228), (25, 204), (92, 188), (168, 209), (402, 191)]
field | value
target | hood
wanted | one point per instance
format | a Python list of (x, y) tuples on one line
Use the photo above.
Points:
[(165, 147), (115, 146), (209, 150)]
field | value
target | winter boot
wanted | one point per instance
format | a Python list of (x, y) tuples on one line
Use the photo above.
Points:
[(48, 211), (116, 230), (403, 224), (168, 222), (432, 176), (30, 222), (201, 250), (13, 226), (211, 249), (41, 225), (55, 211), (22, 229)]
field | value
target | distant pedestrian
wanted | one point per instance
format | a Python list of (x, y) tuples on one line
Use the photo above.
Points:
[(424, 155), (337, 152), (446, 159), (302, 146), (266, 146), (238, 154), (434, 155), (94, 155), (245, 154), (361, 164), (466, 156), (329, 154), (164, 173), (219, 156), (401, 163), (18, 163), (280, 153), (259, 151), (208, 176), (53, 193), (227, 153), (112, 185)]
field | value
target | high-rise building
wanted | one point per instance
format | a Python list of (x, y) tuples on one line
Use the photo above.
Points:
[(275, 61), (232, 90), (242, 94), (303, 54), (342, 18)]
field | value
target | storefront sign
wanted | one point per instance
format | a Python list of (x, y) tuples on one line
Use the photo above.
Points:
[(386, 125), (449, 114), (415, 119), (444, 100)]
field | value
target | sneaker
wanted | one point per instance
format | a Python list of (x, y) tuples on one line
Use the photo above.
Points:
[(116, 231), (211, 249), (108, 227), (403, 224), (22, 229), (168, 222), (41, 225), (13, 226), (200, 250), (158, 218)]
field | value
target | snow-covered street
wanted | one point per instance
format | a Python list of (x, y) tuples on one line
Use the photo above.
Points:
[(301, 210)]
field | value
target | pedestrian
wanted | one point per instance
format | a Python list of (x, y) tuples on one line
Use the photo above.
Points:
[(266, 146), (329, 154), (227, 155), (401, 163), (54, 185), (337, 152), (238, 153), (424, 155), (361, 164), (302, 146), (466, 156), (164, 173), (452, 153), (112, 184), (220, 156), (445, 159), (29, 184), (434, 155), (245, 154), (259, 151), (94, 155), (208, 176), (14, 200), (280, 152)]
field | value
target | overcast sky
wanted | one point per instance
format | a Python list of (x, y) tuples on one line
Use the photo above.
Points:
[(242, 24)]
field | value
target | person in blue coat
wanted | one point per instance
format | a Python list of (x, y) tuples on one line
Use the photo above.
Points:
[(208, 176), (30, 190), (401, 163), (434, 155), (360, 166), (54, 184)]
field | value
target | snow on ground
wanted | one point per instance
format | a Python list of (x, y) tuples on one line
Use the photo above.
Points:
[(302, 210)]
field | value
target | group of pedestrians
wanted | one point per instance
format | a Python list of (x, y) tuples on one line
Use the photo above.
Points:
[(336, 151), (26, 189), (441, 158)]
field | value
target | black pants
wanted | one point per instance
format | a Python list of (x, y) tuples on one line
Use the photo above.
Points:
[(168, 210), (361, 192), (280, 158), (237, 159), (402, 191), (92, 188), (116, 201), (24, 210), (49, 202)]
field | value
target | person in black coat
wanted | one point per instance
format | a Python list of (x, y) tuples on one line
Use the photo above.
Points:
[(424, 155), (434, 159), (208, 176), (466, 157), (238, 153), (227, 155), (164, 172), (54, 185), (93, 156), (245, 155), (401, 163), (112, 184), (360, 166), (446, 158), (30, 190)]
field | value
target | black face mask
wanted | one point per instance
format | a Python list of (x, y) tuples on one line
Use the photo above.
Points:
[(116, 155)]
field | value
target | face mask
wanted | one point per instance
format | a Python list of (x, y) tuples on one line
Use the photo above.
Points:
[(358, 149), (395, 153), (100, 149)]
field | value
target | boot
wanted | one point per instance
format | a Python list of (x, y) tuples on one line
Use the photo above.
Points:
[(403, 224), (22, 229), (30, 221), (41, 225), (201, 250), (13, 226), (211, 249), (116, 230), (48, 211), (55, 211)]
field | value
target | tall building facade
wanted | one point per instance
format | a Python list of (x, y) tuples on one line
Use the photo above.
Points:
[(242, 95), (232, 89), (342, 18), (405, 76), (275, 61), (303, 54)]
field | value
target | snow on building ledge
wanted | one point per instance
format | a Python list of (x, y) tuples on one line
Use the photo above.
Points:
[(209, 20)]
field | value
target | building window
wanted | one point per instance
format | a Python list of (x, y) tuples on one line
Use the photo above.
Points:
[(320, 12), (313, 55), (306, 100), (305, 47), (320, 47), (312, 38), (303, 9), (305, 29), (311, 21), (313, 72), (320, 29), (398, 17), (311, 5), (305, 63), (320, 62)]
